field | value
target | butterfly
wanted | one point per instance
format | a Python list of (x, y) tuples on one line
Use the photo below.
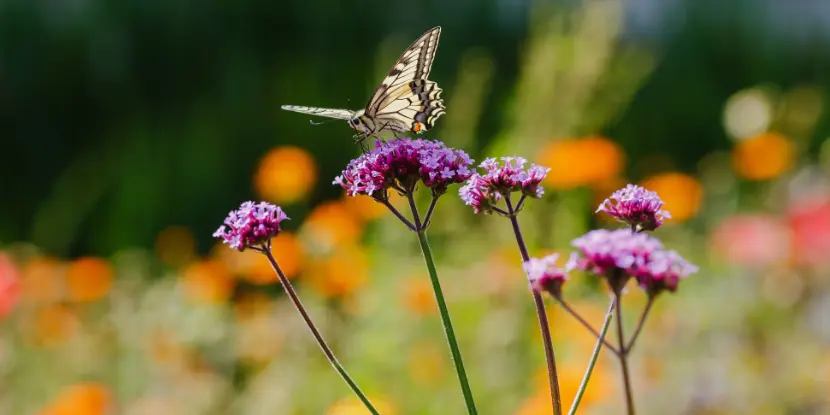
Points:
[(406, 101)]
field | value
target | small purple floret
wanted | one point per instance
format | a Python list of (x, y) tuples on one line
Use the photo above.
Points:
[(484, 191), (252, 225), (636, 206), (663, 271), (620, 254), (544, 275), (402, 163)]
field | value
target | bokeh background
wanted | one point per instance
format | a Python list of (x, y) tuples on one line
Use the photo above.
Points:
[(130, 128)]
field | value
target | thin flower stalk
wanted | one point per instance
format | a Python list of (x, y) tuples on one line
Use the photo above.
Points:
[(594, 355), (483, 192), (252, 226)]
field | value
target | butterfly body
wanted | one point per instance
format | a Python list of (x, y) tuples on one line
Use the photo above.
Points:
[(404, 102)]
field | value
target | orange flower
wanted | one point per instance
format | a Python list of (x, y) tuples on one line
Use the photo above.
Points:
[(538, 404), (331, 224), (251, 305), (208, 281), (364, 207), (581, 162), (175, 246), (427, 363), (255, 268), (570, 372), (53, 325), (88, 279), (367, 208), (341, 273), (42, 280), (682, 194), (763, 157), (81, 399), (352, 406), (285, 175), (419, 297)]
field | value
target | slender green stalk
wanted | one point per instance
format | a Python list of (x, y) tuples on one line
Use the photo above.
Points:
[(541, 315), (640, 324), (445, 319), (594, 355), (623, 356), (289, 289)]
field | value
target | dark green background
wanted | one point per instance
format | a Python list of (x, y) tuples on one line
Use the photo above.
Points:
[(120, 118)]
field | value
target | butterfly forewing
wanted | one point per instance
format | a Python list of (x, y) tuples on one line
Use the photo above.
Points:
[(323, 112), (415, 63)]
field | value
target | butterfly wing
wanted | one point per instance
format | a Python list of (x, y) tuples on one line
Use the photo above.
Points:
[(406, 100), (340, 114)]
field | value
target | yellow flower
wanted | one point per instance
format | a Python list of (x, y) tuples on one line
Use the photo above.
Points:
[(208, 281), (682, 194), (581, 162), (763, 157), (88, 279), (285, 175), (175, 246), (340, 273), (81, 399), (353, 406)]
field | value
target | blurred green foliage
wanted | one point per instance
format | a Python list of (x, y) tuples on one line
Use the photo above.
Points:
[(120, 117)]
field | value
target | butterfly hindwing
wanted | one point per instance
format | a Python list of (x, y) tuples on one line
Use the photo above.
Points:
[(415, 107), (340, 114)]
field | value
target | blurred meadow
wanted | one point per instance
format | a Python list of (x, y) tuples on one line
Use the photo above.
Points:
[(131, 128)]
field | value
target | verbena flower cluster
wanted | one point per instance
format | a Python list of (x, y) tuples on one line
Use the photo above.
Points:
[(252, 225), (544, 275), (484, 191), (637, 207), (620, 254), (401, 163)]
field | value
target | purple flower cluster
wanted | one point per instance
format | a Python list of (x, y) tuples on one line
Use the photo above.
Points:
[(620, 254), (544, 275), (401, 163), (637, 207), (483, 192), (663, 271), (252, 225)]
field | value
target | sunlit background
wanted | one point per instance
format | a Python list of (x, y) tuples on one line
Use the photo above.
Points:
[(129, 129)]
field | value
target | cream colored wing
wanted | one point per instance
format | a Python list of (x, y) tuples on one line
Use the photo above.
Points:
[(340, 114), (415, 107), (414, 64)]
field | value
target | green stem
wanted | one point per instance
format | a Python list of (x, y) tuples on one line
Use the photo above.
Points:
[(541, 315), (623, 355), (597, 348), (289, 289), (445, 319)]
